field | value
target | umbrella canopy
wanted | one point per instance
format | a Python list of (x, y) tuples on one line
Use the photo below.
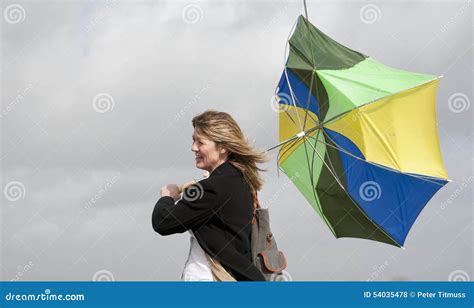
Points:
[(360, 137)]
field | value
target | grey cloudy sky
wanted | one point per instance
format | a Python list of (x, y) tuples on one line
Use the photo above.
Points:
[(97, 99)]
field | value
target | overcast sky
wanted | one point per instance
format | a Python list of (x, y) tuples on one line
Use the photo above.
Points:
[(97, 99)]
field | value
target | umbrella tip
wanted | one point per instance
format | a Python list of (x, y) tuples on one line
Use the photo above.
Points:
[(441, 76), (402, 247)]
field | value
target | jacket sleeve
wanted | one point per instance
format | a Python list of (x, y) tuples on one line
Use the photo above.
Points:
[(194, 208)]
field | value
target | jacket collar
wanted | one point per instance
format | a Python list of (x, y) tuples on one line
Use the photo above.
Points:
[(226, 168)]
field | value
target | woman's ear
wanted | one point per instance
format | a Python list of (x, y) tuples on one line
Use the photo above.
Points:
[(223, 153)]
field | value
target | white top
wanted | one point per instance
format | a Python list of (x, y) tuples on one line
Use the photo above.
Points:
[(197, 267)]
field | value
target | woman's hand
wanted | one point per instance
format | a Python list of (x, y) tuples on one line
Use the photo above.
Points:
[(170, 190)]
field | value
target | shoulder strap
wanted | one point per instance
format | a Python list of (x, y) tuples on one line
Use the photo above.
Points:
[(256, 205)]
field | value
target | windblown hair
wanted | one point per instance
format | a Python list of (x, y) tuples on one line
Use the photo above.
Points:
[(221, 128)]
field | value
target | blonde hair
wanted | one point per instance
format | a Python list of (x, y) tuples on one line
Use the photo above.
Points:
[(221, 128)]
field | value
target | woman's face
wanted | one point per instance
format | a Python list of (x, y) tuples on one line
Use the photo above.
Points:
[(208, 156)]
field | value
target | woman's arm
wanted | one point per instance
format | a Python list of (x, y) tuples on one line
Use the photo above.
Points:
[(192, 210)]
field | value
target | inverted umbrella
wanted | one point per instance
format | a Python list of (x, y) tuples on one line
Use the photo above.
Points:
[(360, 136)]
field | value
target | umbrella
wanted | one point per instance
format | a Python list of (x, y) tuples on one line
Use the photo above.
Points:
[(357, 138)]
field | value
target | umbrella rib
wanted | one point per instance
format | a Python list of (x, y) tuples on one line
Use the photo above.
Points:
[(355, 203), (309, 99), (293, 98), (338, 147), (299, 40), (314, 190), (330, 162), (311, 165), (312, 182), (289, 116), (378, 99), (285, 56), (298, 101), (312, 129), (282, 143), (382, 166), (312, 156), (322, 159), (291, 144), (286, 74), (352, 200), (316, 140)]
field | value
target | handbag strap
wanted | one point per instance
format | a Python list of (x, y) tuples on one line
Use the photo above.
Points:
[(256, 205)]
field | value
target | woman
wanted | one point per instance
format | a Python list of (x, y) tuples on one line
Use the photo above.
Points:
[(217, 210)]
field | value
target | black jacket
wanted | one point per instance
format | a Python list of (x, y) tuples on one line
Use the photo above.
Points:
[(219, 212)]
